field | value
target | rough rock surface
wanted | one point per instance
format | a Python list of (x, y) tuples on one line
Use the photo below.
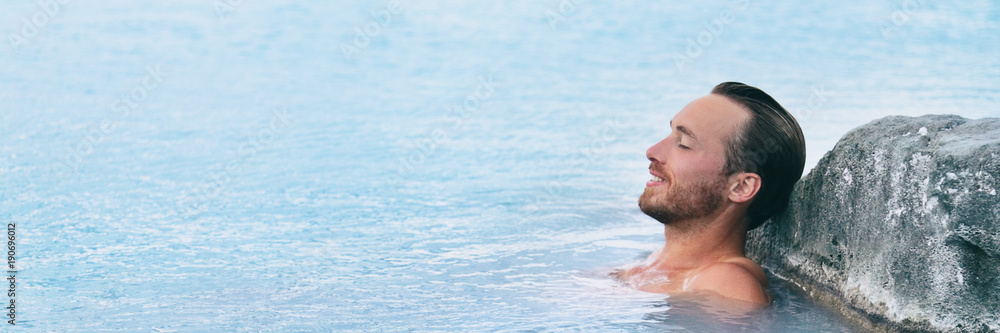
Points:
[(898, 226)]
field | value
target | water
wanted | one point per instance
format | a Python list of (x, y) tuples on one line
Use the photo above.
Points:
[(262, 181)]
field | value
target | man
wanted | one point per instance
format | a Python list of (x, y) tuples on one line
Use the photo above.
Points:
[(728, 165)]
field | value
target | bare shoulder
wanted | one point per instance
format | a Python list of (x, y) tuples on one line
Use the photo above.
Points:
[(739, 279), (752, 268)]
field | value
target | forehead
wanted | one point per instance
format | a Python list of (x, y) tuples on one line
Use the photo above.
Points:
[(711, 119)]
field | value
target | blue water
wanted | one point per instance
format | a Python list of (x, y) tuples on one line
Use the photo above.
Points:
[(223, 165)]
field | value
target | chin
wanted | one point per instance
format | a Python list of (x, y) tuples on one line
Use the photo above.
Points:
[(644, 200), (648, 206)]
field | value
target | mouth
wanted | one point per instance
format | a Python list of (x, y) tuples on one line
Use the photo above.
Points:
[(656, 180)]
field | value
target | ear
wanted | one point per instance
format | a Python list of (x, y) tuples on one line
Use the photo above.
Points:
[(743, 187)]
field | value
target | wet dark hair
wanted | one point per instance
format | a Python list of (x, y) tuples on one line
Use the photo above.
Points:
[(769, 144)]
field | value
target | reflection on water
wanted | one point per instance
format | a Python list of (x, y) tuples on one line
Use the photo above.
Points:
[(789, 312)]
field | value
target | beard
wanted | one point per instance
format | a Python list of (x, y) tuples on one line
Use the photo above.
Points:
[(678, 202)]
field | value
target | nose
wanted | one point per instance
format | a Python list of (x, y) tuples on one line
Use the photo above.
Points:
[(657, 152)]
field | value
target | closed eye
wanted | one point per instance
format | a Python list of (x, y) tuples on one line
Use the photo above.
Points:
[(681, 145)]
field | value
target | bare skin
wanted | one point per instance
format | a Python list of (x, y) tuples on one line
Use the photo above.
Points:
[(703, 251)]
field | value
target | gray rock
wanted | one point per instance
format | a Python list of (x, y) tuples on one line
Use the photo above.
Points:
[(898, 227)]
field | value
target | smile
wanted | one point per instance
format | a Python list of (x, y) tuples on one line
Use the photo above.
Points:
[(656, 181)]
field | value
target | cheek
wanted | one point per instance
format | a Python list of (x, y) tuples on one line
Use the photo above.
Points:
[(701, 167)]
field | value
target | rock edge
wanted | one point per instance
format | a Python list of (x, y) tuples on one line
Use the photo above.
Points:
[(898, 227)]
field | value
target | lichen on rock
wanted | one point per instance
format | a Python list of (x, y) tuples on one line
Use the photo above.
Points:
[(898, 225)]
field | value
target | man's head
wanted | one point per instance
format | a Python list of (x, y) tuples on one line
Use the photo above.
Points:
[(735, 149)]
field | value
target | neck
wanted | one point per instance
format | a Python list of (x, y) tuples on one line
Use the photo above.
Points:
[(695, 243)]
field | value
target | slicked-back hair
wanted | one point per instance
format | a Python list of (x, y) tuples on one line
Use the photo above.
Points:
[(769, 144)]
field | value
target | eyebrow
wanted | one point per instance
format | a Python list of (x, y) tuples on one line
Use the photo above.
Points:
[(685, 130)]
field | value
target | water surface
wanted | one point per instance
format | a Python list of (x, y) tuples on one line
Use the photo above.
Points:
[(266, 182)]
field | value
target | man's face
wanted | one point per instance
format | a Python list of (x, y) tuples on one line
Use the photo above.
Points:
[(687, 166)]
